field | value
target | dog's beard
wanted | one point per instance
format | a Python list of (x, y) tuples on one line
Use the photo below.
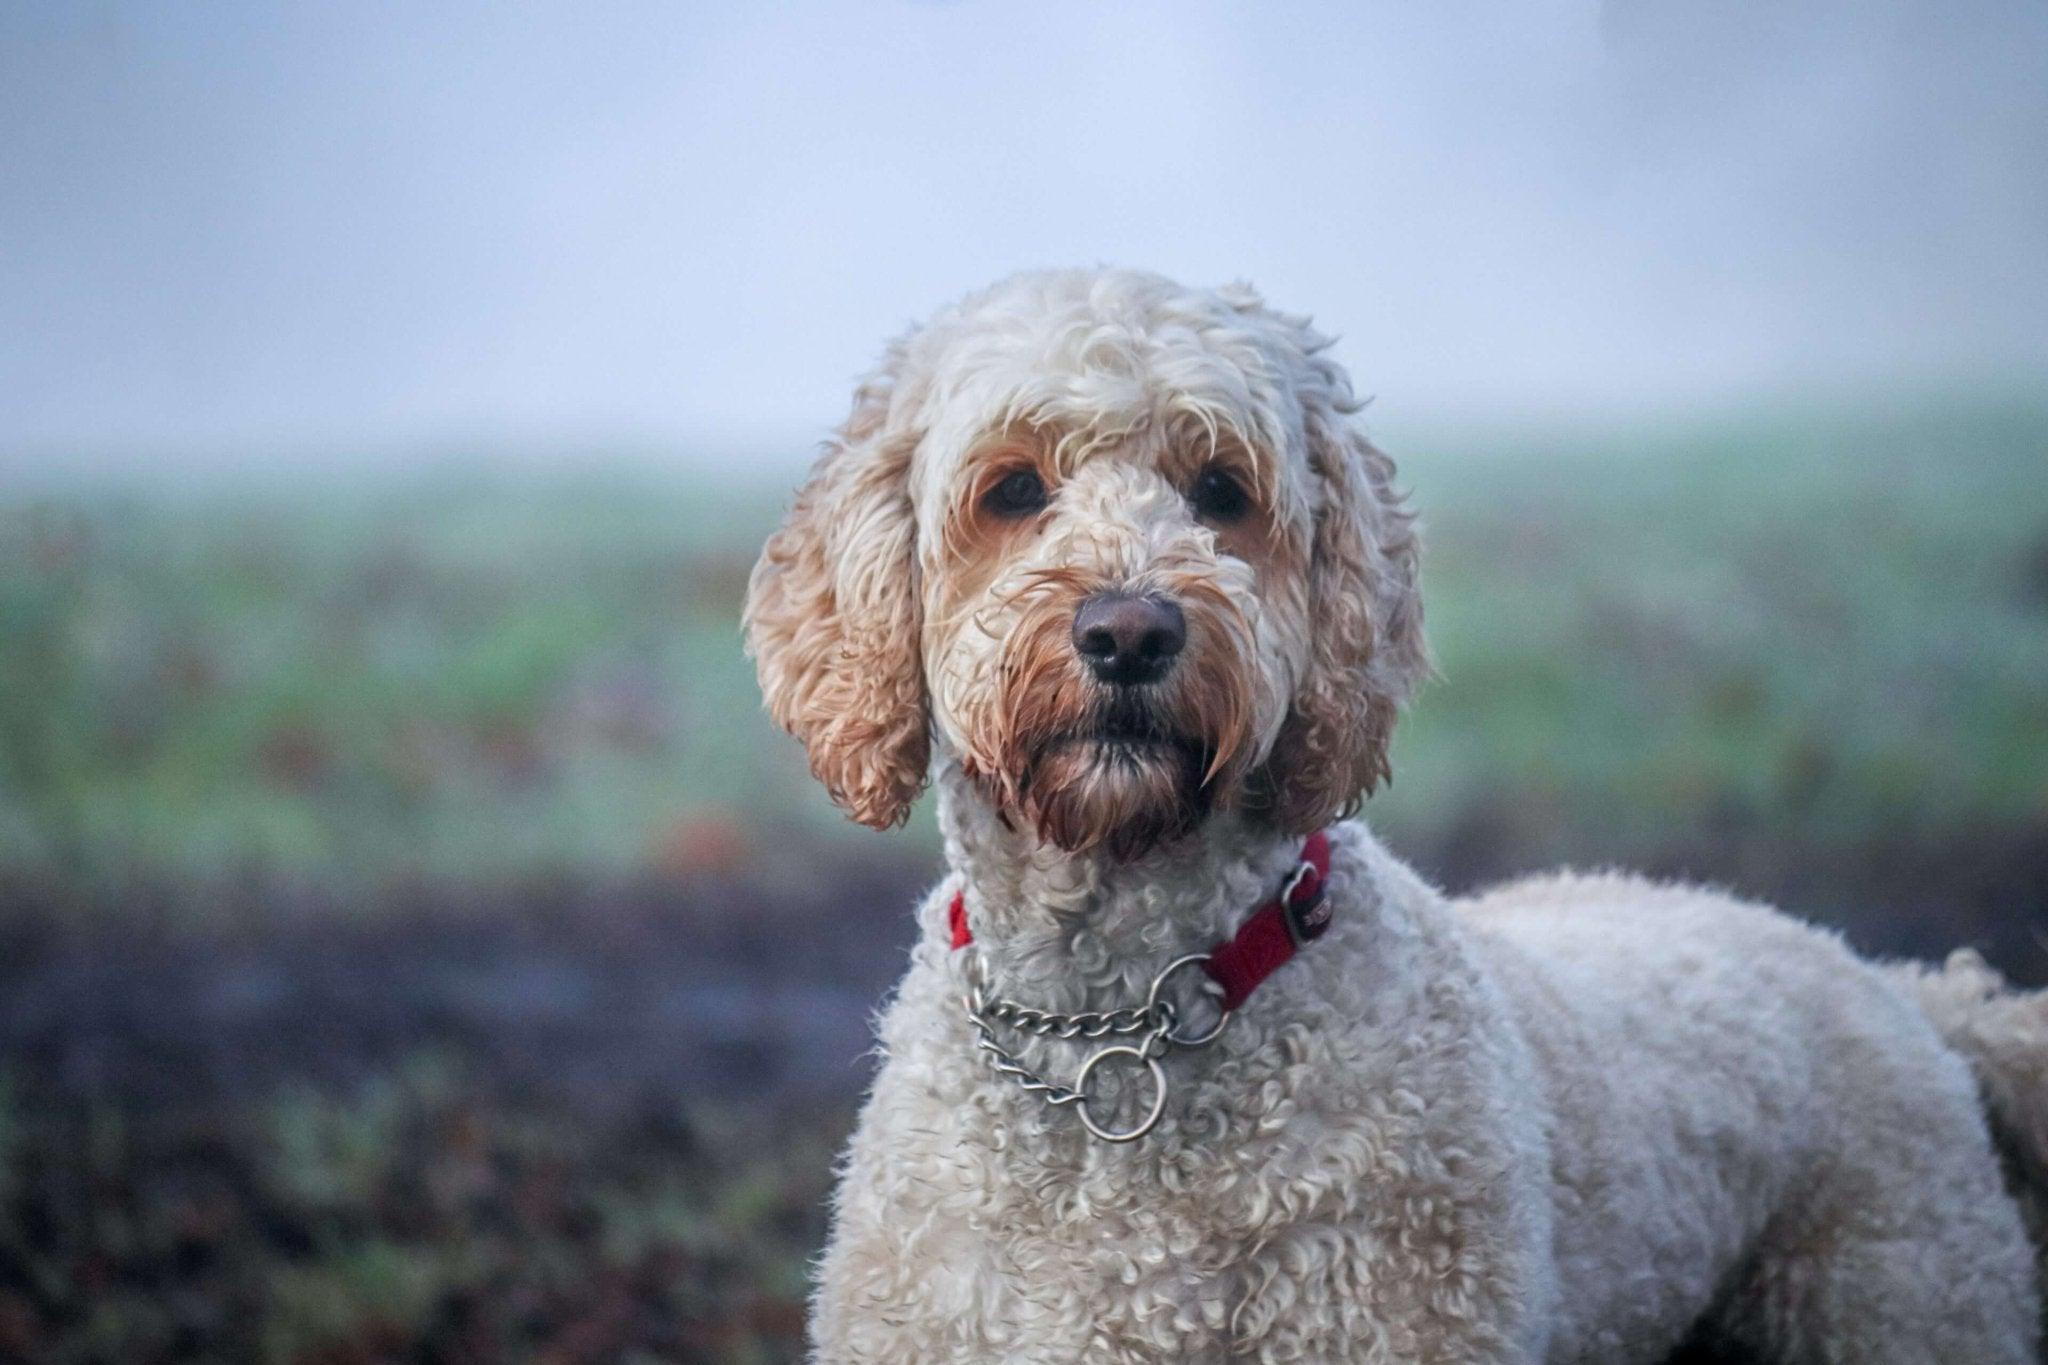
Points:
[(1123, 781)]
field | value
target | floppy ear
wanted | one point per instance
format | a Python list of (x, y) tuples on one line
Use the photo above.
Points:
[(1366, 651), (832, 619)]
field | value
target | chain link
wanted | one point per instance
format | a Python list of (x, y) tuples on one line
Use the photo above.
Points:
[(1157, 1018)]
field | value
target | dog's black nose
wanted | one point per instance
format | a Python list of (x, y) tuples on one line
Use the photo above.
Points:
[(1128, 640)]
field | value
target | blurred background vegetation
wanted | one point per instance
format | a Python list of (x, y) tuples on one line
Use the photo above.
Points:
[(1820, 621), (415, 944)]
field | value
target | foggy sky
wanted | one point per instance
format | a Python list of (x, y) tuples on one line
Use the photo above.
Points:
[(229, 231)]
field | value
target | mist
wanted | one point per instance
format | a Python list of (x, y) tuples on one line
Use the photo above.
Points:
[(243, 236)]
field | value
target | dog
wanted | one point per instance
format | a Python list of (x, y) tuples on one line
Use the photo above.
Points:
[(1187, 1066)]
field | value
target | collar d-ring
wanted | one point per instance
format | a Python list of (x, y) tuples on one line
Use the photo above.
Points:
[(1213, 991)]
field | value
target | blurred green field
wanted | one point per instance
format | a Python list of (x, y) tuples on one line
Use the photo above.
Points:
[(1828, 621), (449, 678), (1832, 622)]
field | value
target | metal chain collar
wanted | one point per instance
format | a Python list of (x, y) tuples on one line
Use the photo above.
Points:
[(1157, 1019)]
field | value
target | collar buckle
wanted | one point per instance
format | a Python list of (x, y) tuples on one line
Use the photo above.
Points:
[(1307, 918)]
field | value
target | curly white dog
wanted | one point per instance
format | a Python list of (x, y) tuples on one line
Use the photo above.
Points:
[(1104, 558)]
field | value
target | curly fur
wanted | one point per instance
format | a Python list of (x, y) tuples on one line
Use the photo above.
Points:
[(1575, 1119)]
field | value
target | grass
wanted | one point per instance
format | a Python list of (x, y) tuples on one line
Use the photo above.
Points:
[(441, 682), (1835, 617), (1837, 622)]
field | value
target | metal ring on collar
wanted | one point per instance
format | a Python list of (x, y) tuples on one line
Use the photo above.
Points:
[(1152, 1002), (1144, 1125)]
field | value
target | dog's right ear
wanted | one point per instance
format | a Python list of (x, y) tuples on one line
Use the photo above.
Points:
[(832, 618)]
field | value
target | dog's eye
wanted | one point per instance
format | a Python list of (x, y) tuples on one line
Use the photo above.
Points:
[(1018, 494), (1216, 496)]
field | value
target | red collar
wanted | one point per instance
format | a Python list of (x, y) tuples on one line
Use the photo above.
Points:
[(1271, 935)]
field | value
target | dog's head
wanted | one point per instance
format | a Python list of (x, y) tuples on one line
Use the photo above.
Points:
[(1114, 545)]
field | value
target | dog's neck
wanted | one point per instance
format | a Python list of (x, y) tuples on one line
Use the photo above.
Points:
[(1085, 931)]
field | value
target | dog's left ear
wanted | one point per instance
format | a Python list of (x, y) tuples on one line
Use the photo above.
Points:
[(832, 618), (1366, 651)]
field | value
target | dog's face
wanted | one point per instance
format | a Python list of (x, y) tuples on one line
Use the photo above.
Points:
[(1114, 545)]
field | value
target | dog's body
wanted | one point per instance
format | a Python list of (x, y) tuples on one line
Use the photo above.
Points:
[(1567, 1121), (1577, 1119)]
